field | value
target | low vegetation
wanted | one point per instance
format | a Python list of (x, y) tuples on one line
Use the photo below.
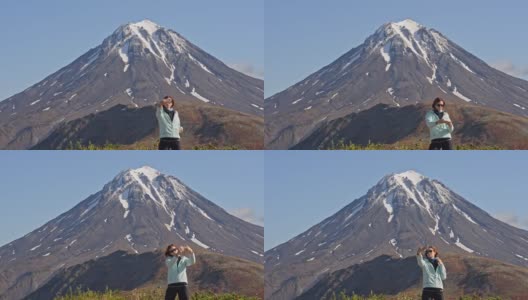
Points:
[(405, 146), (143, 146), (153, 294), (343, 296)]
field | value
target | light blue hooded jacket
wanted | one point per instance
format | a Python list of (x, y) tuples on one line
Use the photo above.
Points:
[(438, 131), (431, 278), (168, 128), (178, 271)]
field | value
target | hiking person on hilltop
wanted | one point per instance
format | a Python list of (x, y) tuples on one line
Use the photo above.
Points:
[(440, 126), (169, 125), (433, 272), (177, 260)]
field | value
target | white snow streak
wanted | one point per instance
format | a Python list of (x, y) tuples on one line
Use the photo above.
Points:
[(462, 246), (195, 94), (464, 214), (461, 63), (34, 102), (459, 95), (296, 101), (196, 241), (35, 248), (386, 56), (296, 254), (199, 63)]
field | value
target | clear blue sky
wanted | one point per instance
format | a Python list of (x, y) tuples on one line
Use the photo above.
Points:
[(304, 35), (304, 187), (40, 37), (37, 186)]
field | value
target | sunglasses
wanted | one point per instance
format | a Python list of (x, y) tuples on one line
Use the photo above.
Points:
[(428, 251), (440, 105), (173, 250)]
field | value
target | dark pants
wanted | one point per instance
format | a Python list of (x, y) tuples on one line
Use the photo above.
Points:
[(179, 290), (432, 294), (169, 144), (441, 144)]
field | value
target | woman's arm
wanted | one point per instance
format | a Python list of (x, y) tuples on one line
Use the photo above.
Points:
[(419, 256), (450, 124), (442, 270), (158, 111), (170, 261), (430, 120), (177, 120), (191, 260)]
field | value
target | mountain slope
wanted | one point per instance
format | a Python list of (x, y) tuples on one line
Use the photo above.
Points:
[(389, 124), (400, 213), (121, 125), (140, 210), (212, 272), (466, 275), (400, 64), (137, 65)]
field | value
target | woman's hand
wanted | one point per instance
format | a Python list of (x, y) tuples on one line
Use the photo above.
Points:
[(420, 251), (440, 262)]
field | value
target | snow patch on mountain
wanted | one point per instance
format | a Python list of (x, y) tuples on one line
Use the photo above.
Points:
[(462, 246), (464, 214), (195, 94), (198, 242)]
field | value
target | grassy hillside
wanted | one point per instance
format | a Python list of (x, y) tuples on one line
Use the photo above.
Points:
[(393, 128), (125, 128), (147, 278)]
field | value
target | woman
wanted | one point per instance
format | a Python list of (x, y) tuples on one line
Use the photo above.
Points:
[(440, 126), (169, 125), (177, 262), (433, 271)]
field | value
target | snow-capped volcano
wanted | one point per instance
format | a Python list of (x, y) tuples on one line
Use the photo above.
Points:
[(139, 211), (402, 63), (400, 213), (137, 65)]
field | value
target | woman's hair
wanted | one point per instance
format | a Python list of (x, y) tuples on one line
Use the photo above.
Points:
[(167, 251), (434, 248), (171, 99), (436, 101)]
